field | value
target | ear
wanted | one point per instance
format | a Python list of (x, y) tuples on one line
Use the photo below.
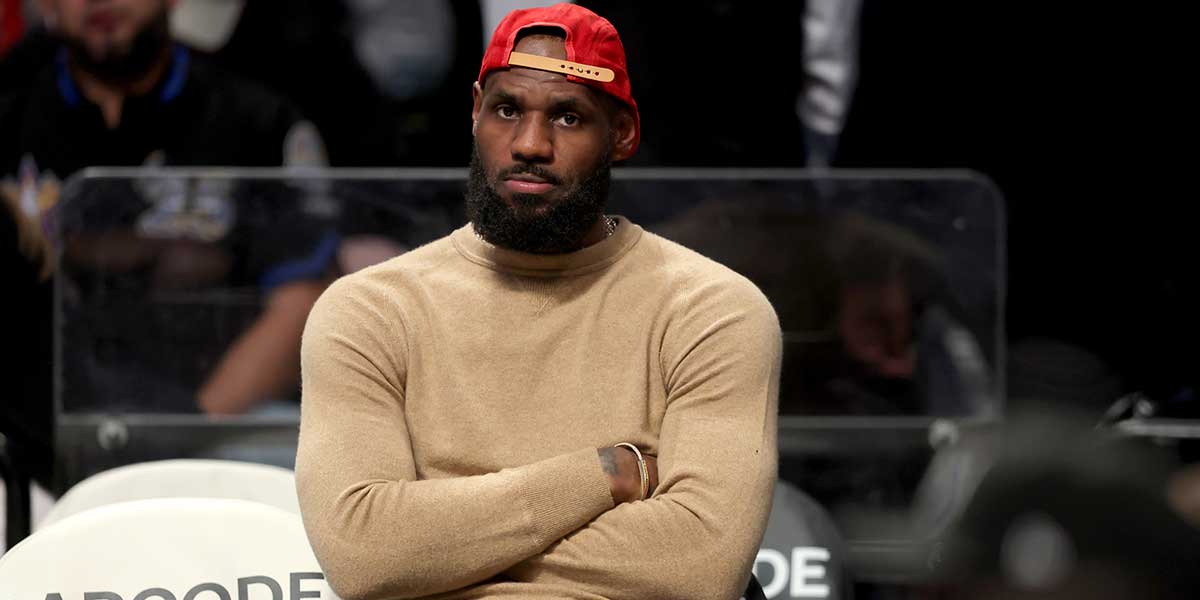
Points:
[(623, 135), (477, 95)]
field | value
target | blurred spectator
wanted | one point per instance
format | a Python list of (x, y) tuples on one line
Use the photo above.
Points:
[(873, 330), (205, 25), (771, 79), (407, 48), (830, 62), (1071, 112), (382, 80), (118, 91), (901, 327)]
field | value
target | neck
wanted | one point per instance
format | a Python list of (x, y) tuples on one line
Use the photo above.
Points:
[(110, 94)]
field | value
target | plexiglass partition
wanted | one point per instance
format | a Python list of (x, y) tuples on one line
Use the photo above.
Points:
[(889, 288)]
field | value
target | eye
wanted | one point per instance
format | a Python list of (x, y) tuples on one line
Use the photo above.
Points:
[(506, 111), (568, 120)]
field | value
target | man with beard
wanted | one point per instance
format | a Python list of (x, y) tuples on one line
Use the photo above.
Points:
[(120, 92), (550, 401)]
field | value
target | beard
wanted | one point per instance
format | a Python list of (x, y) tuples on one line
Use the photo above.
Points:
[(521, 226), (123, 63)]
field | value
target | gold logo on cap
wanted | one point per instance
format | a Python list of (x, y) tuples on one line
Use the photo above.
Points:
[(566, 67)]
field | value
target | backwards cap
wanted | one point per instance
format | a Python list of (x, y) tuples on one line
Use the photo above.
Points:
[(595, 55)]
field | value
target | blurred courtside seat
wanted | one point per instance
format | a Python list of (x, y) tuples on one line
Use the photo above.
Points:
[(182, 478), (802, 553), (167, 548)]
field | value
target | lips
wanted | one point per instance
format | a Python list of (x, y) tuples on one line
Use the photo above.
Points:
[(525, 183)]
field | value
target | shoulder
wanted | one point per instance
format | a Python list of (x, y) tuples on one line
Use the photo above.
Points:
[(711, 314), (693, 277), (391, 282), (371, 308), (408, 267), (708, 304)]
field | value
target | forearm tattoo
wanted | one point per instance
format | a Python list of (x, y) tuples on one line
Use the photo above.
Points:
[(608, 461)]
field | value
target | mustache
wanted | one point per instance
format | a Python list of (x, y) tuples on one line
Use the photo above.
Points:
[(529, 169)]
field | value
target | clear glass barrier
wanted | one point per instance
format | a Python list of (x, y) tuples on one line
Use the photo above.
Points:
[(889, 287)]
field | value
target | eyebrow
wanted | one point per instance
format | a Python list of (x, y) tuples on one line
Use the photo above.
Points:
[(557, 105), (502, 98), (561, 105)]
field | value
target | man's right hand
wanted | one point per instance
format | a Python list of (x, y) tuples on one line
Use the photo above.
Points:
[(624, 479)]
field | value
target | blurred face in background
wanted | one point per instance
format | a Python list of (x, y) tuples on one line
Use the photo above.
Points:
[(116, 39), (876, 326)]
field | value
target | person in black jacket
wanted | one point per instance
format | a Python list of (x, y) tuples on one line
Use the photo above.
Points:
[(120, 92)]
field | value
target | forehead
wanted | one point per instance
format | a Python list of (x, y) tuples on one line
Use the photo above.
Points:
[(550, 46), (532, 85)]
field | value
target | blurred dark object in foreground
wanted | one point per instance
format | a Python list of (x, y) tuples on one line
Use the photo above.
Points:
[(1065, 511)]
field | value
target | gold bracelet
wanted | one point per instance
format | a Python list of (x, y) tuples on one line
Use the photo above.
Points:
[(642, 472)]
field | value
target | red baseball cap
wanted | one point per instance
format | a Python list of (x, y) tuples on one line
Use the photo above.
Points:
[(595, 55)]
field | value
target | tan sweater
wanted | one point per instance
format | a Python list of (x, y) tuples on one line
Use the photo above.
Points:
[(455, 396)]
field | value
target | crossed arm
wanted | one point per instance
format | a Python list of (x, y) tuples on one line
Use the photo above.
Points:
[(381, 532)]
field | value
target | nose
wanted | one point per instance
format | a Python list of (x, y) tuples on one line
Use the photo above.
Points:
[(533, 141)]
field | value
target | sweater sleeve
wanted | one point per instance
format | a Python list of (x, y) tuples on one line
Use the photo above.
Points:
[(377, 529), (698, 535)]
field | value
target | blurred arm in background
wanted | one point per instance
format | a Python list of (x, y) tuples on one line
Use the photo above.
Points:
[(264, 362), (830, 74)]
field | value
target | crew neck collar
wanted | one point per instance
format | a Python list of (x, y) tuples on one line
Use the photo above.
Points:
[(585, 260)]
